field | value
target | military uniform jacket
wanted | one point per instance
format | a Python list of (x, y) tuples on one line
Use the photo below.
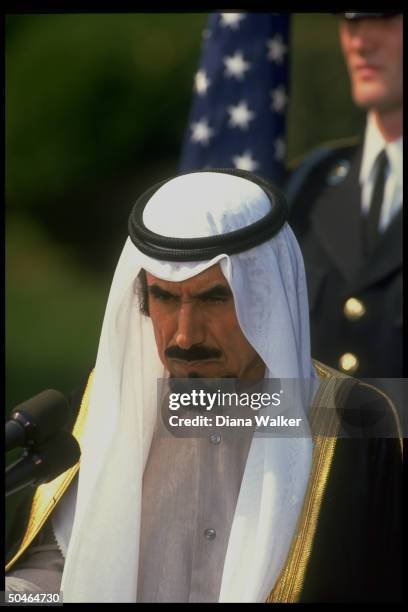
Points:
[(347, 544), (355, 300)]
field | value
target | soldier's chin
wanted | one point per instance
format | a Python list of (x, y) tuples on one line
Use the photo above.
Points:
[(369, 95)]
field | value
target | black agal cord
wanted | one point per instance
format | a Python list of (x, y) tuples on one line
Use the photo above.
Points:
[(168, 248)]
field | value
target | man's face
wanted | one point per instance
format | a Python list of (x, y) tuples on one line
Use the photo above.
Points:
[(196, 328), (373, 51)]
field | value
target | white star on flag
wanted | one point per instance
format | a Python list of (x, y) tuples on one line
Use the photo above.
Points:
[(245, 162), (201, 131), (201, 82), (279, 99), (235, 65), (280, 149), (231, 20), (240, 115), (276, 49)]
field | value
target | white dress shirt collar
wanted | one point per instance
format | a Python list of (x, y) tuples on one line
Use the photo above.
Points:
[(374, 143)]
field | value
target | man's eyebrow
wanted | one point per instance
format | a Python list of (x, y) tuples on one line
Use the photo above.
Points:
[(157, 291), (215, 292), (218, 291)]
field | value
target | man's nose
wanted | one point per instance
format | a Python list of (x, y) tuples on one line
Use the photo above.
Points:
[(190, 328)]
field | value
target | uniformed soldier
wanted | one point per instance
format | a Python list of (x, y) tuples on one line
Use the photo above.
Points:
[(346, 203)]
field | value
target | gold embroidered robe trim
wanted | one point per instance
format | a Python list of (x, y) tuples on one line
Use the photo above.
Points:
[(289, 585)]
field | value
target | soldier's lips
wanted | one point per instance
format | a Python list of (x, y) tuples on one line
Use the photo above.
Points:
[(367, 70)]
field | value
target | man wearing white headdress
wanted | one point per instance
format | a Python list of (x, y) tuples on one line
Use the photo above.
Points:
[(204, 519)]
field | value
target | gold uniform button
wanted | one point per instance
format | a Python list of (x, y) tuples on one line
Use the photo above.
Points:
[(354, 309), (349, 363)]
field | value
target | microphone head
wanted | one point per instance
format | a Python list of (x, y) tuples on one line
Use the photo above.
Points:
[(42, 415), (57, 454)]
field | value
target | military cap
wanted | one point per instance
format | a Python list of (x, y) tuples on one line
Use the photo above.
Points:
[(354, 16)]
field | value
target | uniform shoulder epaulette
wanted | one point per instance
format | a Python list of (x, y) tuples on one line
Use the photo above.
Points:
[(304, 165), (330, 146)]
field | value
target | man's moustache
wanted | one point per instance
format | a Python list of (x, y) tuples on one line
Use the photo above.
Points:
[(194, 353)]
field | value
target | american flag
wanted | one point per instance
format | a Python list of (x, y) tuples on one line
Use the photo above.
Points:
[(238, 116)]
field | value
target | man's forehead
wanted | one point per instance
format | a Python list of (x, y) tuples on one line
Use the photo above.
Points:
[(206, 279)]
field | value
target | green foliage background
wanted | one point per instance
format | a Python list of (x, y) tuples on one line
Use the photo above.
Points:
[(96, 107)]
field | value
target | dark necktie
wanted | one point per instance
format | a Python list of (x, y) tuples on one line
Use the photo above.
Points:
[(373, 217)]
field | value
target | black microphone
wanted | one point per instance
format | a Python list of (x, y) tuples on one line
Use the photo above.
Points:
[(35, 420), (44, 463)]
